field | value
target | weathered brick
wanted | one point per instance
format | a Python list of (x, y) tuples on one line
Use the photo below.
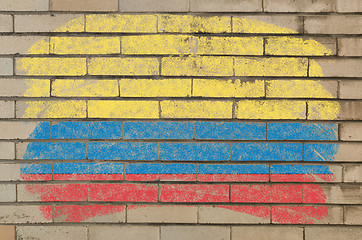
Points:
[(352, 215), (7, 192), (333, 233), (24, 87), (84, 5), (299, 6), (52, 232), (154, 5), (20, 5), (7, 150), (231, 214), (24, 214), (7, 109), (336, 68), (9, 172), (161, 214), (353, 173), (225, 6), (338, 194), (350, 89), (350, 110), (350, 46), (194, 232), (51, 109), (123, 232), (267, 233), (49, 23), (19, 130), (7, 232), (333, 24), (351, 131), (6, 23), (6, 66), (352, 6), (342, 152)]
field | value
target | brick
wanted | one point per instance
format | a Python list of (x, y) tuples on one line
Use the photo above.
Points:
[(279, 24), (84, 88), (225, 6), (336, 24), (337, 68), (7, 192), (196, 109), (350, 46), (272, 109), (352, 173), (85, 45), (7, 150), (124, 232), (343, 152), (23, 130), (121, 23), (273, 67), (154, 5), (267, 233), (123, 66), (49, 23), (161, 214), (6, 23), (22, 44), (6, 66), (352, 215), (351, 131), (342, 194), (7, 232), (84, 5), (333, 233), (24, 214), (52, 192), (352, 6), (349, 89), (234, 214), (350, 111), (7, 109), (197, 66), (194, 193), (10, 172), (52, 232), (307, 214), (194, 24), (299, 6), (194, 232), (51, 109), (19, 5), (121, 109), (155, 87), (24, 87)]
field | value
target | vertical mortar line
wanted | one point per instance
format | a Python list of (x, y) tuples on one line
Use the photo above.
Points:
[(49, 5), (192, 87), (337, 46), (262, 6), (232, 23), (306, 110), (159, 232), (13, 22), (189, 5), (230, 230), (264, 44), (87, 226), (303, 25), (85, 22), (338, 89), (303, 233)]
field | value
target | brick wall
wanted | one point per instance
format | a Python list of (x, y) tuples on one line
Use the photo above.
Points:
[(180, 119)]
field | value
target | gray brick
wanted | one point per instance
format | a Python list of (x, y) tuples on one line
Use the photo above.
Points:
[(9, 172), (6, 23), (299, 6), (352, 6), (21, 87), (342, 194), (21, 5), (194, 233), (6, 66), (154, 5), (333, 24), (338, 67), (226, 6), (267, 233), (17, 130), (22, 214), (333, 233), (123, 232), (349, 89), (52, 232), (351, 131), (353, 173), (7, 192), (350, 47), (7, 109), (352, 215), (20, 44), (84, 5), (349, 152), (7, 151), (350, 111)]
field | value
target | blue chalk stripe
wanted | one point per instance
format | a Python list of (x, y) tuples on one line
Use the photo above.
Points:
[(58, 151), (233, 169), (42, 131), (36, 168), (160, 168), (299, 169), (320, 152), (88, 168)]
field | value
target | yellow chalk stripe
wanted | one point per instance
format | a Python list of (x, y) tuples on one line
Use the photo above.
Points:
[(315, 70), (248, 25), (271, 109), (196, 109), (37, 88), (295, 46), (227, 88), (323, 110), (194, 24), (254, 66), (156, 44), (85, 45), (197, 66), (155, 88), (229, 45), (52, 66), (123, 109), (121, 23), (296, 89), (123, 66), (85, 88), (54, 109), (40, 47), (75, 25)]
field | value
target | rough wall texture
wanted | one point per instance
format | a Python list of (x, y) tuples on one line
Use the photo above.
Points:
[(181, 119)]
